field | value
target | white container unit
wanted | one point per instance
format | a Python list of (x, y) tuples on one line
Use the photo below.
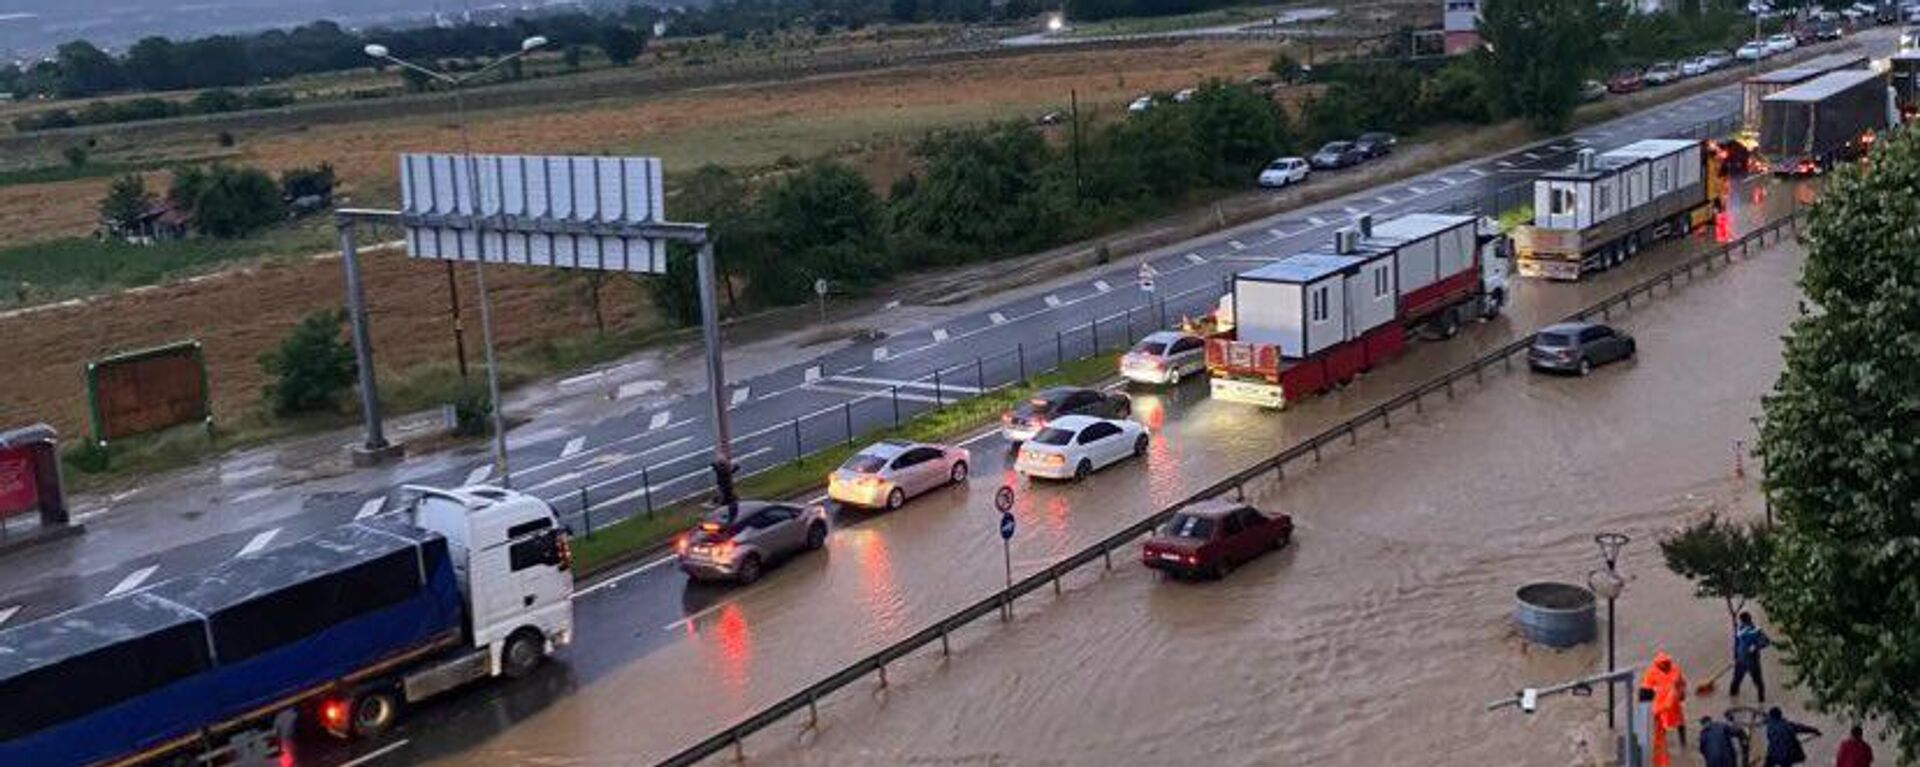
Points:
[(1601, 188), (1298, 304), (1426, 247)]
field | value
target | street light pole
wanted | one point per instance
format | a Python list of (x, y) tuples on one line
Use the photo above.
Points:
[(500, 466), (716, 380), (1608, 584)]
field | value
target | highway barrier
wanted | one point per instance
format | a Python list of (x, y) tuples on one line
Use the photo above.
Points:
[(1273, 468)]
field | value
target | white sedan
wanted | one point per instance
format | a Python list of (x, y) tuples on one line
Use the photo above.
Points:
[(1077, 445), (1285, 171), (886, 474)]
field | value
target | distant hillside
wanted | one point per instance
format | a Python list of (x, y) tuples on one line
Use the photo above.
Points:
[(30, 28)]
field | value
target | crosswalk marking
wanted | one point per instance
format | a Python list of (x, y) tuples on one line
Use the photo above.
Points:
[(1504, 164), (1196, 258), (1417, 189), (658, 420), (879, 353), (939, 335), (1478, 173), (370, 508), (6, 614), (1276, 234), (921, 384), (997, 318), (478, 474), (1053, 300), (1236, 245), (1530, 155), (1317, 221), (1102, 286), (741, 394), (573, 446), (133, 580), (259, 542), (560, 480), (813, 373), (1384, 200)]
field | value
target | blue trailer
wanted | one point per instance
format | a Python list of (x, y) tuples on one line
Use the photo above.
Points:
[(344, 625)]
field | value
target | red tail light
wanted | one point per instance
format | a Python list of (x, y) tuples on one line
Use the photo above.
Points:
[(333, 714), (680, 545), (723, 550), (286, 759)]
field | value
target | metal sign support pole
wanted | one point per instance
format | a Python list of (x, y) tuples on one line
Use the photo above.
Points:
[(376, 447), (716, 380)]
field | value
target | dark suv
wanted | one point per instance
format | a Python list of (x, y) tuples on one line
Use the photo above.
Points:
[(1375, 144), (1577, 347), (1028, 418)]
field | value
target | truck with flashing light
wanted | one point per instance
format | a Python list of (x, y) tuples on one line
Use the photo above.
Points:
[(1305, 323), (342, 629), (1607, 207), (1806, 129)]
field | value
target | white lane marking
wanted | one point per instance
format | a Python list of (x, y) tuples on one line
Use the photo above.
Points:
[(1449, 180), (567, 477), (377, 753), (1352, 210), (813, 373), (1053, 300), (479, 473), (740, 396), (370, 508), (573, 446), (6, 614), (1102, 286), (658, 420), (1417, 189), (1317, 221), (1196, 258), (253, 495), (1504, 164), (1478, 173), (944, 387), (657, 486), (132, 581), (997, 318), (1148, 270), (1384, 200), (1530, 155), (259, 542), (939, 336), (1236, 245), (568, 383), (630, 574), (905, 395), (1276, 233), (879, 353), (638, 388)]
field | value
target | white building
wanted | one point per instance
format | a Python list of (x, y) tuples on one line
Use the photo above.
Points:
[(1461, 20)]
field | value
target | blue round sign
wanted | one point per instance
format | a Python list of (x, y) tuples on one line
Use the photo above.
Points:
[(1006, 526)]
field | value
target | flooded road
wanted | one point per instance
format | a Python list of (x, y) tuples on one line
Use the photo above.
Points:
[(1469, 506)]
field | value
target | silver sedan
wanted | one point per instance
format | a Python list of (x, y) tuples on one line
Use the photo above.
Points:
[(886, 474)]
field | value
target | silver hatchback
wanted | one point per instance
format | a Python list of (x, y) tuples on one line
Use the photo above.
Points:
[(760, 534), (886, 474)]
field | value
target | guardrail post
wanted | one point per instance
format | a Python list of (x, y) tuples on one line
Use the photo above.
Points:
[(813, 711), (1353, 434), (1059, 348), (1477, 371), (1629, 298), (1316, 451), (980, 373), (1449, 388), (1386, 419), (1020, 350), (1096, 335), (1417, 403), (1107, 554), (895, 391), (846, 409), (883, 676), (798, 452), (1279, 471), (586, 511), (1240, 493), (1056, 583), (945, 650), (939, 396), (739, 751)]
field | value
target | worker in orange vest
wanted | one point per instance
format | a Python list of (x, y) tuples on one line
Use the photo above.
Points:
[(1669, 688)]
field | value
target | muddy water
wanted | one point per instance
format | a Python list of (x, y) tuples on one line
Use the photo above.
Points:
[(1367, 597)]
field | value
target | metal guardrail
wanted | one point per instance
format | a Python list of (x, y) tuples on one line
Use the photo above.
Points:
[(1276, 465)]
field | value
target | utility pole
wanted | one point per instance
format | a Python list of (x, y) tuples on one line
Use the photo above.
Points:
[(459, 334), (1073, 99)]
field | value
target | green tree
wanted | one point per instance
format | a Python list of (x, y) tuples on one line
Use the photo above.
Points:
[(1841, 439), (1724, 560), (827, 223), (127, 199), (76, 156), (1236, 131), (312, 367), (1337, 114), (982, 189), (1285, 67), (718, 197), (227, 202), (315, 181), (622, 44), (1456, 93), (1537, 53), (86, 70)]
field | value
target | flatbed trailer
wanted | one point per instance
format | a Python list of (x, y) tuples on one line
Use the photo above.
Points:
[(1607, 207)]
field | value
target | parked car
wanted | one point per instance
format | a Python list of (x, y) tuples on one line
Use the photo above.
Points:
[(1336, 154), (1183, 95), (1285, 171), (759, 535), (1375, 144), (1578, 347), (1072, 447), (1662, 73), (1033, 415), (1054, 117), (1781, 43), (1593, 90), (1140, 105), (1717, 59), (1753, 51), (1626, 81), (1695, 67), (1163, 357), (1213, 537), (885, 474)]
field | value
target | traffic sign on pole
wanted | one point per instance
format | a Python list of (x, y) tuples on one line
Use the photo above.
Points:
[(1003, 500), (1006, 526)]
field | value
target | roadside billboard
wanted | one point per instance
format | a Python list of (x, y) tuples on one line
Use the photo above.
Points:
[(30, 475), (148, 390)]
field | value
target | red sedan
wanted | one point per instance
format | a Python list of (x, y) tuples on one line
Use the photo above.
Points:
[(1212, 537)]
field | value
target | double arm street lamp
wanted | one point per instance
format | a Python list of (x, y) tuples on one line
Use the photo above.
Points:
[(529, 45)]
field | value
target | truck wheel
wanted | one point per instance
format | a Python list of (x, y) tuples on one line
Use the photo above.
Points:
[(374, 712), (1450, 323), (1490, 305), (523, 653)]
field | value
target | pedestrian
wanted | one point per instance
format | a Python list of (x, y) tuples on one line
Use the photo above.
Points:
[(1718, 743), (1783, 740), (1854, 751), (1669, 687), (1748, 641)]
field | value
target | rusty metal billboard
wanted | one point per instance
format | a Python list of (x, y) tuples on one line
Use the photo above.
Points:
[(148, 390)]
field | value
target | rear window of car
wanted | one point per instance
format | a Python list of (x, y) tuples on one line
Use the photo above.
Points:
[(1188, 526), (864, 463), (1155, 348), (1337, 146), (1553, 340), (1053, 436)]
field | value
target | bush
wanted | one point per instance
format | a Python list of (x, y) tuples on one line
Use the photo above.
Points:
[(472, 411), (312, 366), (228, 202), (88, 457), (76, 156)]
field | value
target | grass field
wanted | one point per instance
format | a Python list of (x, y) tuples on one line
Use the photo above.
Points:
[(81, 265)]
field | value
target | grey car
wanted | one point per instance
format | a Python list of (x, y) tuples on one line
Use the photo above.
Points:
[(885, 474), (1578, 347), (760, 534)]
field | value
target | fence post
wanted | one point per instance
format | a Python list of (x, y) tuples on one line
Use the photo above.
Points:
[(1059, 348), (944, 649), (846, 409), (1130, 331), (586, 511), (1020, 349), (797, 451), (1096, 336), (895, 393), (979, 374), (939, 399)]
